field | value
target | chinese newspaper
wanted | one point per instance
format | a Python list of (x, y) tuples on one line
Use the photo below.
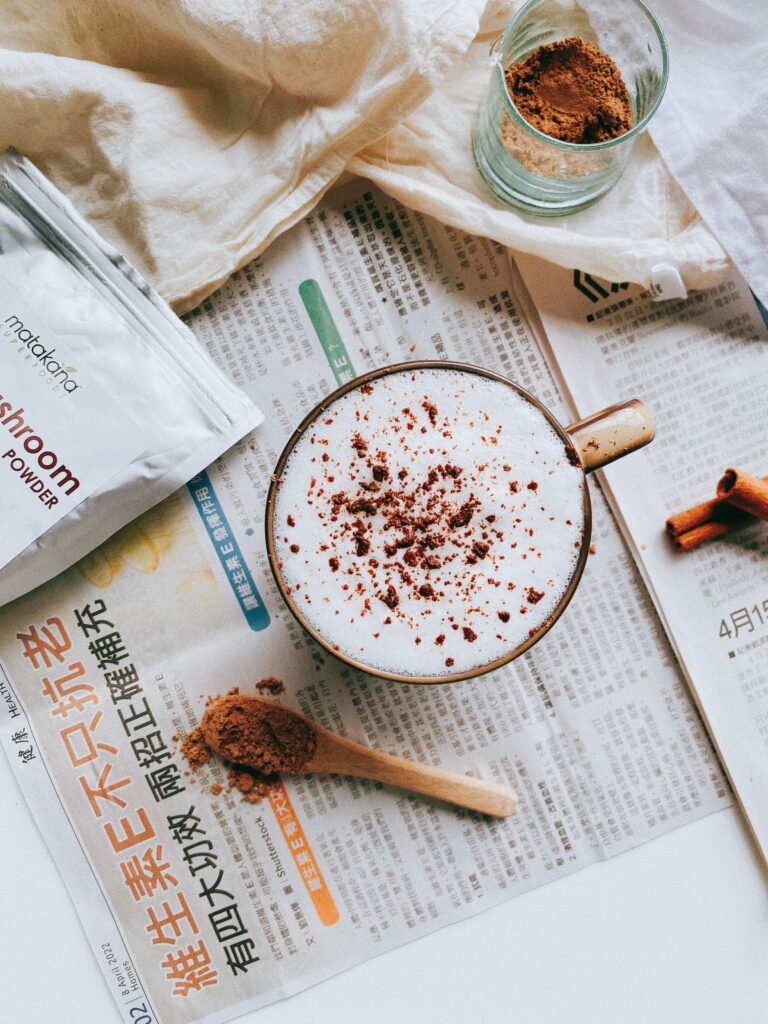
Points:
[(200, 906), (703, 365)]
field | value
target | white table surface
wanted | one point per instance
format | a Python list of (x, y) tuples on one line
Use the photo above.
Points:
[(674, 931)]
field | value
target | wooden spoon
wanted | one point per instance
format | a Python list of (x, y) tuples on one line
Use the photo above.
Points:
[(271, 738)]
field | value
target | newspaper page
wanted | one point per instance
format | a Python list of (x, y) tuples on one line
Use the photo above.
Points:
[(702, 364), (207, 905)]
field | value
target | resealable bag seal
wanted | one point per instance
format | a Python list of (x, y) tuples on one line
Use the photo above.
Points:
[(108, 403)]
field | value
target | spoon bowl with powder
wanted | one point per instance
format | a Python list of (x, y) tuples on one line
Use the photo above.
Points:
[(270, 738)]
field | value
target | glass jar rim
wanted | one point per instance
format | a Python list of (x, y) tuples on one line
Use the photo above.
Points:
[(584, 147)]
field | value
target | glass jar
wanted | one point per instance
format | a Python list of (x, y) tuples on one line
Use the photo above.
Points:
[(528, 169)]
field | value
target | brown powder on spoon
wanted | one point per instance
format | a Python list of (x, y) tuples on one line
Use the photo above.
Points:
[(264, 734), (571, 91), (257, 733)]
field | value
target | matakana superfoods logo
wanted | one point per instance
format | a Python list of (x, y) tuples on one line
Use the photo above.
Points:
[(60, 378)]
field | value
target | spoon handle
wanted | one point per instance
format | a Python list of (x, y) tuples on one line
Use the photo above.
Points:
[(340, 756)]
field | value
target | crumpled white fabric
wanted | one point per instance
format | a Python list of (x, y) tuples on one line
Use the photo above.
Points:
[(712, 128), (192, 132)]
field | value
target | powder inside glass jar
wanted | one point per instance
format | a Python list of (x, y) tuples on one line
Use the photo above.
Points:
[(571, 91)]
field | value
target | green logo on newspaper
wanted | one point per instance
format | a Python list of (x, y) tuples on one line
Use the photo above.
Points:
[(326, 331)]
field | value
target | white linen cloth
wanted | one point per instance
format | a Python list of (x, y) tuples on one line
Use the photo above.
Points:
[(712, 127), (193, 132)]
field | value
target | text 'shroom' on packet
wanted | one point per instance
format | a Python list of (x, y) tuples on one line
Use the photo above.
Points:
[(59, 436), (107, 402)]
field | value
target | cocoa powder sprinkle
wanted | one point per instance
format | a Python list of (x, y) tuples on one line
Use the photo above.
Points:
[(463, 516)]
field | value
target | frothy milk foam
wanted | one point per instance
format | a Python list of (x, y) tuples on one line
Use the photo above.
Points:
[(428, 521)]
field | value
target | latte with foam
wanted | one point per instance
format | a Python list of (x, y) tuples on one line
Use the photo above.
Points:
[(428, 522)]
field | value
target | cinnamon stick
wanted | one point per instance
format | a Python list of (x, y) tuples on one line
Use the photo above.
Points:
[(713, 511), (706, 521), (745, 492), (706, 531)]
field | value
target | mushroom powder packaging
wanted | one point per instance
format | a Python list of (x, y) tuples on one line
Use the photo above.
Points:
[(107, 401)]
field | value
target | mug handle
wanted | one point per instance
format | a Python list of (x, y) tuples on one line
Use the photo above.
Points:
[(612, 433)]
